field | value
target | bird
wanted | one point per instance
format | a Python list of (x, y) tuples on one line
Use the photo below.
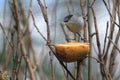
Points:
[(74, 23)]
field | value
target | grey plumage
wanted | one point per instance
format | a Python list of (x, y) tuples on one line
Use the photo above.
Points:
[(74, 23)]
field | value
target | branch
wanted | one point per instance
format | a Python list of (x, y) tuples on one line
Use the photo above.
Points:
[(10, 44), (113, 54), (114, 44), (64, 31), (105, 54), (97, 33), (36, 26), (45, 15), (90, 41), (110, 14)]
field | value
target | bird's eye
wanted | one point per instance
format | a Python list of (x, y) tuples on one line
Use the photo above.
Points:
[(67, 18)]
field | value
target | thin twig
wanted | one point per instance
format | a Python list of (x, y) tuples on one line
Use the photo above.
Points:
[(79, 64), (20, 42), (112, 16), (99, 47), (65, 76), (95, 59), (54, 18), (97, 33), (36, 26), (90, 41), (27, 60), (71, 3), (11, 45), (107, 8), (93, 3), (38, 62), (61, 63), (51, 64), (4, 12), (105, 55), (79, 71), (9, 52), (44, 10), (64, 31), (114, 44), (68, 9), (85, 26), (113, 54)]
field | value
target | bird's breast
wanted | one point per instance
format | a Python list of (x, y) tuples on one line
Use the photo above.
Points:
[(74, 27)]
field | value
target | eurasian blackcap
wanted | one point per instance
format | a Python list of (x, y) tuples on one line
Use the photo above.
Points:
[(74, 23)]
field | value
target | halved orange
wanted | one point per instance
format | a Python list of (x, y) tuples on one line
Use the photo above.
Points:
[(72, 51)]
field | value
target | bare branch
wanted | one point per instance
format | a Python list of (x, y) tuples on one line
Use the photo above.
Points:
[(36, 26), (10, 44), (114, 44)]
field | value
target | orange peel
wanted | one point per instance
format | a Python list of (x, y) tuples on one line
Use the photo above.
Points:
[(72, 51)]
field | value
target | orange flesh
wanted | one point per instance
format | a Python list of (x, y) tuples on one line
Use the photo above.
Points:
[(72, 51)]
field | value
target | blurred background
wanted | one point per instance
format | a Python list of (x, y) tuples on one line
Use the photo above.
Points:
[(44, 64)]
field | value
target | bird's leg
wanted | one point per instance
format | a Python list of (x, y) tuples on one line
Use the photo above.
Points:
[(79, 34), (80, 37), (76, 37)]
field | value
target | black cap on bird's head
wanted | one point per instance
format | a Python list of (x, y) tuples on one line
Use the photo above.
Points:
[(67, 18)]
